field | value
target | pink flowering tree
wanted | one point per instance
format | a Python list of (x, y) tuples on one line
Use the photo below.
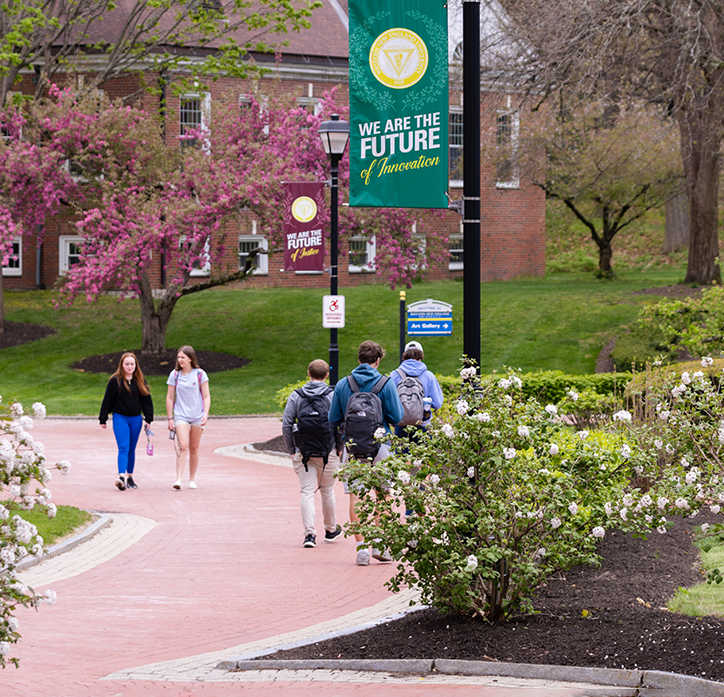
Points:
[(145, 200), (34, 181)]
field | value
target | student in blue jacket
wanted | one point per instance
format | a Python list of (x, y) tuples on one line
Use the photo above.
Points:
[(366, 376), (412, 365)]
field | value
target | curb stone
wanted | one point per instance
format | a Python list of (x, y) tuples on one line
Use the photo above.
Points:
[(103, 521), (611, 681)]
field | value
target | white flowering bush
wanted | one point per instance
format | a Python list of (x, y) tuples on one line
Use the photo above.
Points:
[(506, 493), (24, 478)]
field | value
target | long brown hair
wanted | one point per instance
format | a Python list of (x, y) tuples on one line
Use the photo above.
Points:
[(138, 378), (189, 351)]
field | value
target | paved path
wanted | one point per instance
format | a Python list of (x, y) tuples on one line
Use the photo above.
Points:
[(183, 579)]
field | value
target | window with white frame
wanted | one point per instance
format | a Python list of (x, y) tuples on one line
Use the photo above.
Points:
[(455, 148), (361, 254), (193, 116), (247, 243), (507, 134), (69, 251), (455, 246), (14, 264), (311, 104), (202, 266)]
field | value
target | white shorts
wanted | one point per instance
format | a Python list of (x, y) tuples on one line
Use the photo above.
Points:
[(197, 422)]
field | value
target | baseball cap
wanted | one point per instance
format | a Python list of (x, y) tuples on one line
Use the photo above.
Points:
[(413, 345)]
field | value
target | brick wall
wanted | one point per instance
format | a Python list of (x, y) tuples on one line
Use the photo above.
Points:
[(512, 219)]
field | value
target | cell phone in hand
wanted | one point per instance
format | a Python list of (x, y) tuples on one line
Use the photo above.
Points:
[(172, 434)]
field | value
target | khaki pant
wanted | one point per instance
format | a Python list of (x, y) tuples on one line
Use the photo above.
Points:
[(317, 476)]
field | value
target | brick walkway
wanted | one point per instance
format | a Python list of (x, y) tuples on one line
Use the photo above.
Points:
[(220, 572)]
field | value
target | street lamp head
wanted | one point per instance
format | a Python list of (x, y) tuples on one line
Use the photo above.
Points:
[(334, 135)]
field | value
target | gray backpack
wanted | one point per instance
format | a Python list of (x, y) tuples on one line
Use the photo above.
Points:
[(362, 417), (411, 393)]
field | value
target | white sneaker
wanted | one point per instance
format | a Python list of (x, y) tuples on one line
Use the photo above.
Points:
[(177, 484), (363, 558), (384, 555), (192, 485)]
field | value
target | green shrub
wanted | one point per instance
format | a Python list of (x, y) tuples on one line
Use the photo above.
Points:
[(694, 323), (641, 346)]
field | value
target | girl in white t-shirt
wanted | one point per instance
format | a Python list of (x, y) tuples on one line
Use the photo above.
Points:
[(187, 406)]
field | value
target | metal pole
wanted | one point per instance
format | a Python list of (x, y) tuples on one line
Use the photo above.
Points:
[(333, 283), (471, 177), (403, 295)]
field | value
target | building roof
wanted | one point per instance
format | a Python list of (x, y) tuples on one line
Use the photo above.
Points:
[(327, 37)]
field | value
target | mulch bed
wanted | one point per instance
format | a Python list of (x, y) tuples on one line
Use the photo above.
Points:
[(159, 364), (18, 333), (626, 626)]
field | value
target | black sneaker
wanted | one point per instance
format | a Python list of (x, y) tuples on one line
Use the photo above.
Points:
[(130, 483), (121, 484), (332, 536), (310, 540)]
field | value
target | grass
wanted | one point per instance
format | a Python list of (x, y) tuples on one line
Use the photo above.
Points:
[(560, 322), (67, 520), (705, 598)]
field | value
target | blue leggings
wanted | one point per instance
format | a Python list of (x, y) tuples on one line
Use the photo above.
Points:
[(126, 429)]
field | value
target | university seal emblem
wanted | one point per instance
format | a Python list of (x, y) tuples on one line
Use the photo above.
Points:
[(304, 209), (398, 58)]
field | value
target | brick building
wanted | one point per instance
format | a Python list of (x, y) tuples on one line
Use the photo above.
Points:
[(315, 60)]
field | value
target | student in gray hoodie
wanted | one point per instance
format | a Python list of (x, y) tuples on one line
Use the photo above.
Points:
[(315, 473)]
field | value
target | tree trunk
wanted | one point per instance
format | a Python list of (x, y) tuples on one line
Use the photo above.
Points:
[(700, 146), (605, 254), (676, 236), (154, 319)]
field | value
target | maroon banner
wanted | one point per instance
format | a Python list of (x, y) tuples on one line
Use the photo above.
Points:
[(303, 235)]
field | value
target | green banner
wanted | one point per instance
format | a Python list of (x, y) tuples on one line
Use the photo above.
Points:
[(398, 84)]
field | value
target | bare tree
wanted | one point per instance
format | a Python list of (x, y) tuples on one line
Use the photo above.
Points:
[(607, 163), (668, 52)]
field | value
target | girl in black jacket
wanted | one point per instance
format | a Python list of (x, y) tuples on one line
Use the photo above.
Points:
[(127, 395)]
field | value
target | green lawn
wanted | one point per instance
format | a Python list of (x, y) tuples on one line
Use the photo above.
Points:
[(560, 322)]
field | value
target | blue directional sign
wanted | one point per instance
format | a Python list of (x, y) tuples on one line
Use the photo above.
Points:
[(429, 318)]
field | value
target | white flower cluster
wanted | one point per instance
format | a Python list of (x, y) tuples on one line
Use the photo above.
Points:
[(572, 395), (510, 381), (467, 373), (707, 361), (23, 469), (622, 415), (462, 407)]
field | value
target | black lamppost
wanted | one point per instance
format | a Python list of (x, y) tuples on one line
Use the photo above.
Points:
[(334, 135)]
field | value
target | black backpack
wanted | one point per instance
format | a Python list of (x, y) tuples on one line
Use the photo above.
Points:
[(314, 435), (362, 417)]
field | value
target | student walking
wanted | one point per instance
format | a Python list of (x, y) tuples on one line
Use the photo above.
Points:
[(418, 385), (311, 441), (360, 425), (127, 397), (187, 405)]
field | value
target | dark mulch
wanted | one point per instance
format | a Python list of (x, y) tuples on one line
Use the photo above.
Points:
[(625, 627), (161, 363), (676, 291), (275, 445), (18, 333)]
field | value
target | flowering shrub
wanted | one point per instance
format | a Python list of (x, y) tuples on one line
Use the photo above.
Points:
[(24, 476), (505, 493)]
